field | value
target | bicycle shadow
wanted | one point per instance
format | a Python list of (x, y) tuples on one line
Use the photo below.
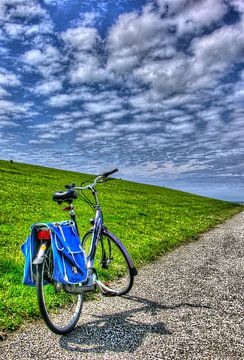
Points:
[(120, 332)]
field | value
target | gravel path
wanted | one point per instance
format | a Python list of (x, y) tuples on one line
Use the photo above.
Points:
[(187, 305)]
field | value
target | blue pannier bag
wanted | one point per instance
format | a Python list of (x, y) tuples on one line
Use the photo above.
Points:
[(68, 255), (29, 269), (30, 249), (69, 262)]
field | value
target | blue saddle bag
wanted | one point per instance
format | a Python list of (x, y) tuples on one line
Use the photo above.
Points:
[(69, 262)]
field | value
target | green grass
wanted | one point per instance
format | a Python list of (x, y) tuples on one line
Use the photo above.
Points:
[(149, 220)]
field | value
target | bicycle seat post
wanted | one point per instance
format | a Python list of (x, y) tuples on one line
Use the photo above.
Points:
[(71, 210)]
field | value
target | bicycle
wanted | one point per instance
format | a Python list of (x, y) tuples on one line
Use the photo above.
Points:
[(109, 265)]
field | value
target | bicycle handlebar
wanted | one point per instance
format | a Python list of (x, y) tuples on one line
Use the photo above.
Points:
[(106, 174), (100, 177), (69, 195)]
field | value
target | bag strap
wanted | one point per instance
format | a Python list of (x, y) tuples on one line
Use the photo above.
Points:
[(70, 252)]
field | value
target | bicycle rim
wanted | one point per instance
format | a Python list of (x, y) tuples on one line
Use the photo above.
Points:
[(113, 271), (59, 309)]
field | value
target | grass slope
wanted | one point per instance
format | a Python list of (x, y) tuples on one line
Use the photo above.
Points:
[(149, 220)]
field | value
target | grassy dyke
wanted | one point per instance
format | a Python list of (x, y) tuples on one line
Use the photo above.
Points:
[(150, 221)]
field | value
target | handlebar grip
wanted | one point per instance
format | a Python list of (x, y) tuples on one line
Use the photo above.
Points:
[(107, 173)]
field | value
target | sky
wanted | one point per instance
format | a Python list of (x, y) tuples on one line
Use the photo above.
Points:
[(153, 87)]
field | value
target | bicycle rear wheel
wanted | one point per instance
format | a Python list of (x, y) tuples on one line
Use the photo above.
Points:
[(60, 310), (114, 273)]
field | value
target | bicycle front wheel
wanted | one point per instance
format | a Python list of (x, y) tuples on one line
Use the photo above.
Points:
[(114, 273), (60, 310)]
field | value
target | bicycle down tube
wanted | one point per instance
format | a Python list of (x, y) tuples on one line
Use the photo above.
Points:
[(97, 229)]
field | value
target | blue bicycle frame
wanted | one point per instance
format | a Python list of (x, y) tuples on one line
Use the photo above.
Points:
[(98, 229)]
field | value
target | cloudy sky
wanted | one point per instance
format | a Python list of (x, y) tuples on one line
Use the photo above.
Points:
[(153, 87)]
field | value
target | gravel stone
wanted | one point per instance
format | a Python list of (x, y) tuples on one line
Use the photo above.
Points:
[(187, 305)]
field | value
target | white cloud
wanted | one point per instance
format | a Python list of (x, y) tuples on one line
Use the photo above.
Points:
[(85, 65), (44, 27), (48, 87), (4, 123), (86, 70), (168, 114), (8, 78), (210, 114), (165, 76), (49, 135), (190, 16), (24, 32), (239, 95), (132, 30), (62, 100), (168, 168), (3, 92), (138, 126), (103, 102), (83, 123), (132, 37), (63, 124), (216, 51), (146, 101), (10, 108), (184, 128), (3, 50), (88, 19), (172, 7), (81, 38), (90, 135), (69, 115), (181, 99), (71, 121), (114, 115), (33, 57), (14, 30), (17, 19), (47, 61), (28, 9), (201, 68), (200, 14), (238, 4), (100, 107), (46, 56)]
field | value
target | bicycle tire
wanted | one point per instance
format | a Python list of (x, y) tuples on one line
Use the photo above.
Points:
[(111, 264), (60, 310)]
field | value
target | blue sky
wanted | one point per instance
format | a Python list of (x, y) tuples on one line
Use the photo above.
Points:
[(153, 87)]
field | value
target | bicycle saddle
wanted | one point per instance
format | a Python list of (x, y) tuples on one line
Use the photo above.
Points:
[(66, 196)]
